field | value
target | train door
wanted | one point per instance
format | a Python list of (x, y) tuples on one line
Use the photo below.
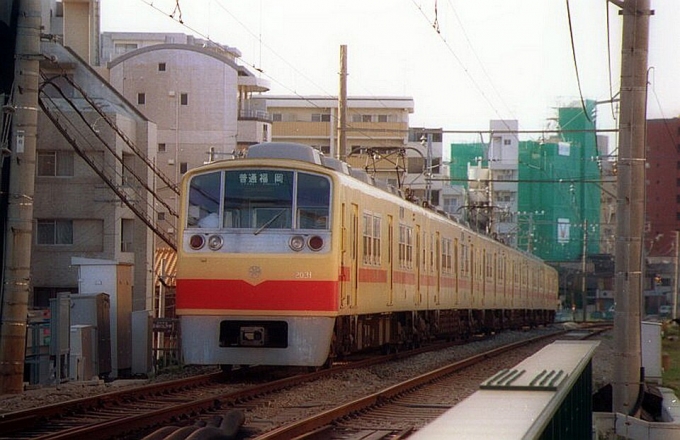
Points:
[(390, 260), (483, 267), (456, 271), (472, 274), (345, 261), (418, 297), (437, 269), (349, 257), (354, 265)]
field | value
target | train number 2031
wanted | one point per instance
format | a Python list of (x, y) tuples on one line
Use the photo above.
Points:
[(303, 274)]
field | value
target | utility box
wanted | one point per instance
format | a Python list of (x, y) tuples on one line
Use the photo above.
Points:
[(60, 322), (141, 344), (650, 337), (82, 359), (115, 279), (94, 310)]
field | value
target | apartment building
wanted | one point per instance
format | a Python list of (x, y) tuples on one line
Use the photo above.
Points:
[(377, 129), (195, 93), (427, 175), (77, 214), (663, 187), (504, 171)]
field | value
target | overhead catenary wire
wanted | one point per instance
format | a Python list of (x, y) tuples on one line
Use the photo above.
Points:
[(573, 52), (363, 131), (462, 65), (249, 64), (609, 61)]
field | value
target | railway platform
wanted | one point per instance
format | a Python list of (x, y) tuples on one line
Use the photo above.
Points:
[(549, 396)]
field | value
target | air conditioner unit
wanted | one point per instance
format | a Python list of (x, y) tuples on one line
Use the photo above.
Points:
[(171, 161), (171, 230), (171, 93)]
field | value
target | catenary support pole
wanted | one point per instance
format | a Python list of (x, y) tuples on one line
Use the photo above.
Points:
[(629, 262), (342, 106), (17, 270)]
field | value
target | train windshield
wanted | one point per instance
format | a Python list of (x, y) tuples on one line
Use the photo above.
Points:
[(259, 199)]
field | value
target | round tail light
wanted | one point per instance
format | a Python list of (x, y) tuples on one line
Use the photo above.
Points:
[(315, 243), (196, 241)]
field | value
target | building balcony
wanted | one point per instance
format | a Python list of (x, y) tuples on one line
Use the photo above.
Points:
[(254, 115), (355, 130), (301, 129)]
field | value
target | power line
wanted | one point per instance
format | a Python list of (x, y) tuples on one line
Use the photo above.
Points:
[(573, 51), (460, 62)]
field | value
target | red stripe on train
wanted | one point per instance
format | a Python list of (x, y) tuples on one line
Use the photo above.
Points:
[(268, 295)]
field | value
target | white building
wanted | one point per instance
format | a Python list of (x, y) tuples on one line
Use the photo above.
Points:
[(503, 169), (196, 94)]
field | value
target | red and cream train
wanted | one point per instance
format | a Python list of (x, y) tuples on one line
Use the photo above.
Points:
[(285, 258)]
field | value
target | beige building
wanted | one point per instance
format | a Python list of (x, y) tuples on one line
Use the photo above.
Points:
[(377, 129), (427, 176), (77, 212)]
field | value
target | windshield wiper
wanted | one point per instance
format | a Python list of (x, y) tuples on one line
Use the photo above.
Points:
[(269, 222)]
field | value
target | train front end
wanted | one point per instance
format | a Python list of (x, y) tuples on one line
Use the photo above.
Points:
[(257, 274)]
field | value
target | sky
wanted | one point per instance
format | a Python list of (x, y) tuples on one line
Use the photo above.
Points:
[(464, 62)]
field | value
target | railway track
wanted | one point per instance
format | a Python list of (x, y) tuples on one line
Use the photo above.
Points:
[(130, 413), (398, 411)]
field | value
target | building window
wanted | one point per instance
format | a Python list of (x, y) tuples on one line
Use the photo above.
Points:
[(356, 118), (161, 67), (366, 118), (126, 234), (121, 48), (507, 141), (127, 173), (161, 148), (55, 163), (265, 133), (382, 118), (55, 232), (321, 117), (141, 98), (184, 99), (161, 216), (183, 167), (277, 117)]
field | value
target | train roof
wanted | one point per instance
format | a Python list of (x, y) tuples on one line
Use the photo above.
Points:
[(284, 150), (308, 154)]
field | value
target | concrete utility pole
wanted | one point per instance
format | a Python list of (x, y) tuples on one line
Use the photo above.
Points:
[(674, 315), (584, 285), (17, 270), (629, 262), (342, 106)]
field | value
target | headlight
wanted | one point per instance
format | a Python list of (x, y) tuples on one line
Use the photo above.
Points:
[(215, 242), (296, 243)]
